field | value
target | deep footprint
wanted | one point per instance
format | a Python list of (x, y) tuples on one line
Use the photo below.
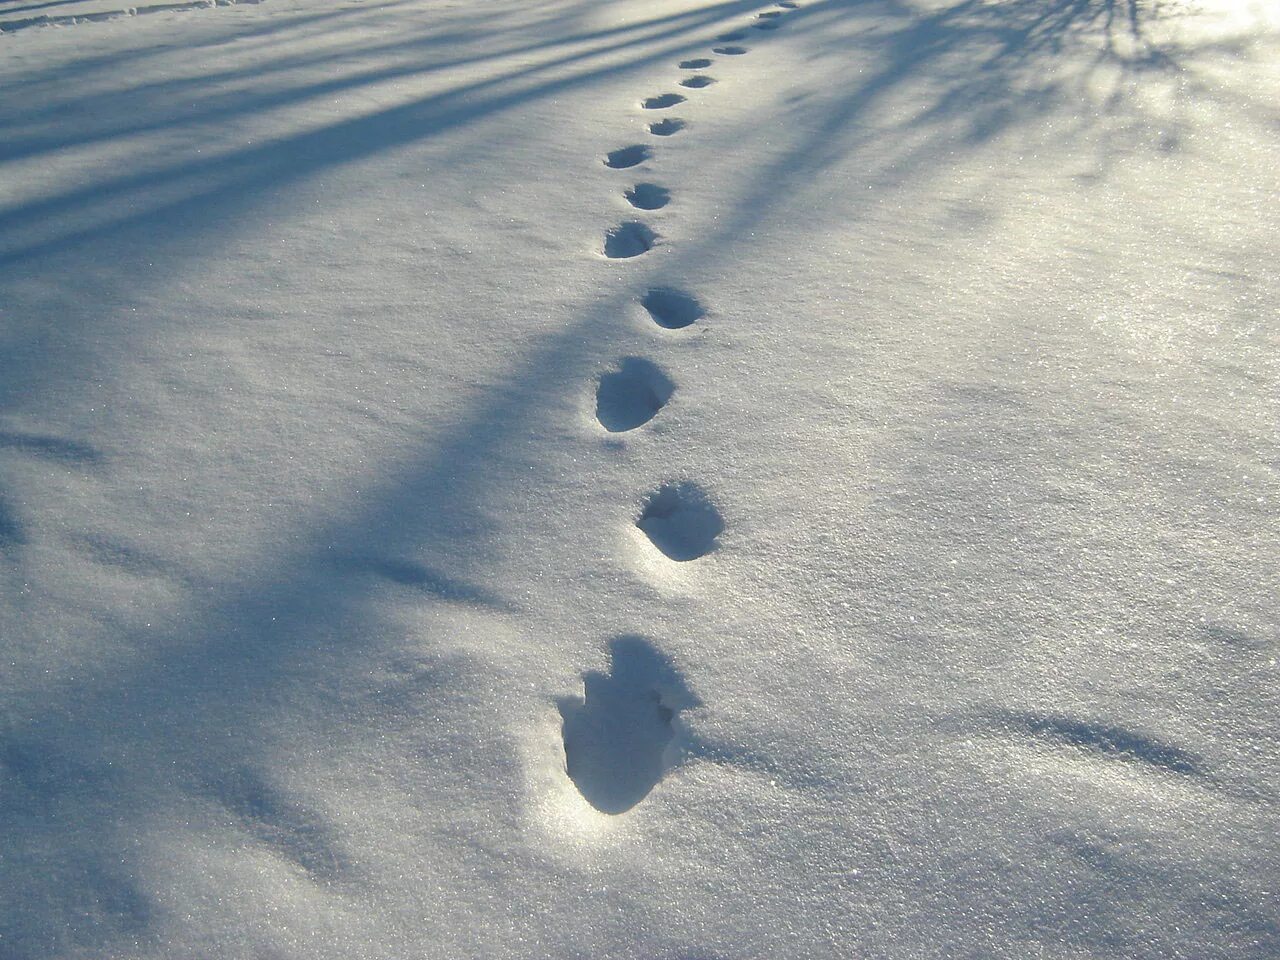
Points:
[(698, 81), (731, 51), (629, 239), (625, 157), (648, 196), (671, 308), (618, 735), (700, 64), (681, 521), (662, 101), (666, 127), (631, 395)]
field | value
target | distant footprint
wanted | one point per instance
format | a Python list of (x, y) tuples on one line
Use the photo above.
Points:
[(769, 15), (648, 196), (731, 51), (662, 101), (671, 308), (666, 127), (789, 4), (700, 64), (681, 521), (618, 734), (730, 37), (625, 157), (766, 25), (629, 239), (697, 81), (631, 395)]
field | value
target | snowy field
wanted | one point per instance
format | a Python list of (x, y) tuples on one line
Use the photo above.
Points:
[(620, 480)]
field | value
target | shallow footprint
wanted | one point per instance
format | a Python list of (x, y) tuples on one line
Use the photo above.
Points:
[(666, 127), (671, 308), (648, 196), (681, 521), (769, 15), (617, 735), (629, 239), (662, 101), (700, 64), (631, 395), (766, 25), (789, 4), (698, 81), (731, 51), (625, 157)]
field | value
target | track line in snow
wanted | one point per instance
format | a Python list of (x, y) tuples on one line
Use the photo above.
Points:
[(99, 16)]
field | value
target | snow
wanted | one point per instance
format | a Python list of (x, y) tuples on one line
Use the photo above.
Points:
[(845, 526)]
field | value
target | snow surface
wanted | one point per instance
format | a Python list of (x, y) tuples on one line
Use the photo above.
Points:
[(871, 551)]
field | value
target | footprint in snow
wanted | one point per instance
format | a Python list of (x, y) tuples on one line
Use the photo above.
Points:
[(730, 37), (681, 521), (769, 15), (766, 25), (697, 81), (648, 196), (789, 4), (619, 737), (672, 309), (632, 394), (662, 101), (625, 157), (699, 64), (629, 239), (666, 127), (731, 51)]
